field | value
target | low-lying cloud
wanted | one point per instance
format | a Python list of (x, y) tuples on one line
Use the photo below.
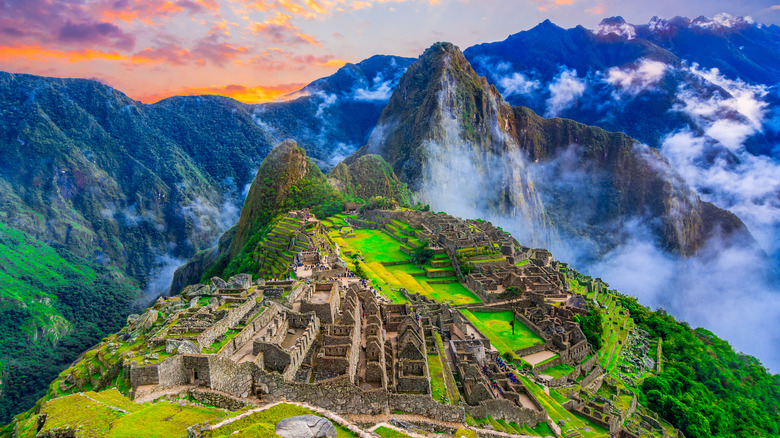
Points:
[(565, 89)]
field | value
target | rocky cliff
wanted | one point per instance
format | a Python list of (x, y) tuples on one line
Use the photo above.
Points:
[(455, 141)]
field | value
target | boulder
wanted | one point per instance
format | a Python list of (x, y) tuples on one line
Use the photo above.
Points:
[(305, 426), (240, 281), (218, 283), (195, 290)]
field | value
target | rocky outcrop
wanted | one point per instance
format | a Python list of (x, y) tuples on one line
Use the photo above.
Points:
[(306, 426)]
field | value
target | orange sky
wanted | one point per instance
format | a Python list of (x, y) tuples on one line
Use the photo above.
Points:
[(261, 50)]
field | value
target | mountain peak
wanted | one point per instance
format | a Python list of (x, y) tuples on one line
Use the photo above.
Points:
[(616, 25)]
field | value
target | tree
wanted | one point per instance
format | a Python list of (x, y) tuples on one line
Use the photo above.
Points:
[(422, 254)]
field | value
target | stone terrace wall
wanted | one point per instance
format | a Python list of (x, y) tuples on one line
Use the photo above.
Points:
[(505, 409), (541, 367), (531, 350), (232, 378), (262, 320), (234, 315), (148, 375), (425, 406)]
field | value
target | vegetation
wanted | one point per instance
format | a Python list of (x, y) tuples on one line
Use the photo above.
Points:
[(706, 388), (495, 325), (54, 305), (386, 432), (592, 326)]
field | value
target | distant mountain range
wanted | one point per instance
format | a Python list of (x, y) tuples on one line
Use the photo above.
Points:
[(118, 192)]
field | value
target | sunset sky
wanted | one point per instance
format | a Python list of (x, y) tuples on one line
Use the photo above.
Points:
[(256, 50)]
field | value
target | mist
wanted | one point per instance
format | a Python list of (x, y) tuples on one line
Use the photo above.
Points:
[(729, 288)]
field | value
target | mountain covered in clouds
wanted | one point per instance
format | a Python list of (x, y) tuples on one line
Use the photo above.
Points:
[(702, 91), (452, 138)]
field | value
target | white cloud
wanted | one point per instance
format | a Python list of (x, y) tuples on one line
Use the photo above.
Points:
[(565, 89), (517, 83), (633, 81)]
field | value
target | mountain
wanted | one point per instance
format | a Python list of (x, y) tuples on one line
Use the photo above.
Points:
[(118, 194), (460, 147), (333, 116), (702, 91), (288, 180)]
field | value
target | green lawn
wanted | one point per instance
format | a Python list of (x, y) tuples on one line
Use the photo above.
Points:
[(386, 432), (438, 387), (495, 325), (96, 416), (262, 424), (558, 371), (376, 246)]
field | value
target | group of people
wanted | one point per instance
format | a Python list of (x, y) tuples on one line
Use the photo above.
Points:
[(504, 369)]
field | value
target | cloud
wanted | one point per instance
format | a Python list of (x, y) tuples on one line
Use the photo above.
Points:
[(216, 51), (565, 89), (241, 93), (708, 290), (516, 84), (729, 116), (105, 34), (161, 275), (279, 30), (632, 81), (38, 52)]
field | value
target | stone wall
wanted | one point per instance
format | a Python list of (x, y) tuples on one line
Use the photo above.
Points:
[(425, 406), (531, 326), (215, 399), (234, 315), (148, 375), (531, 350), (172, 372), (594, 373), (232, 378), (506, 410), (543, 366), (262, 320)]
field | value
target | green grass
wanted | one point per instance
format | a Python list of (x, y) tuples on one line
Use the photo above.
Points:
[(376, 246), (436, 371), (93, 419), (558, 371), (495, 325), (386, 432), (163, 419), (262, 424)]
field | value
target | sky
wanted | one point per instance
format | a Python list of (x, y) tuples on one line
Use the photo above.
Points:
[(261, 50)]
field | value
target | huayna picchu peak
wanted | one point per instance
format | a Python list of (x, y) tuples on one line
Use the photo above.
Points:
[(465, 244)]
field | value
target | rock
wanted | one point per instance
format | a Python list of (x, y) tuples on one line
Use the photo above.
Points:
[(305, 426), (194, 302), (291, 331), (188, 347), (171, 345), (195, 290), (218, 283), (240, 281)]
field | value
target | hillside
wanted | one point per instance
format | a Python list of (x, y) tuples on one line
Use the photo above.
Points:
[(580, 359)]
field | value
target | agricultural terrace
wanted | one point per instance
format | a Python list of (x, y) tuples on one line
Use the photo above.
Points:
[(495, 325), (388, 267)]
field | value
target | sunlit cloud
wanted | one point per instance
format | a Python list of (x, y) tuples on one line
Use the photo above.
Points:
[(241, 93), (39, 53)]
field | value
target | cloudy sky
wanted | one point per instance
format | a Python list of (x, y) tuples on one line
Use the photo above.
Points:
[(255, 50)]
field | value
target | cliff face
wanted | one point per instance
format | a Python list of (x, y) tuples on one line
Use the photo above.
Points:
[(451, 137), (444, 131)]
